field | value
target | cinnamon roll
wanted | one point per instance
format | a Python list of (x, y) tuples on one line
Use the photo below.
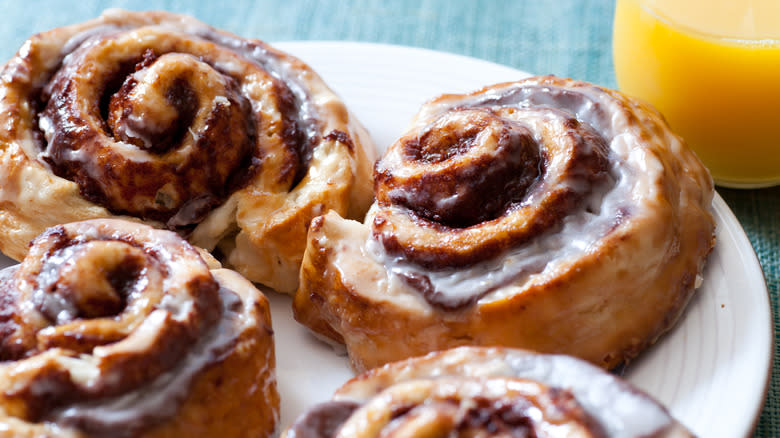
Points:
[(545, 214), (112, 328), (159, 117), (477, 391)]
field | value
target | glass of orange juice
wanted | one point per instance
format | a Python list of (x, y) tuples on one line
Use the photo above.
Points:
[(712, 67)]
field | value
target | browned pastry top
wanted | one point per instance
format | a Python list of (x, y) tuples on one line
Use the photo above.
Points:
[(162, 118), (547, 214), (499, 392), (106, 324), (496, 171)]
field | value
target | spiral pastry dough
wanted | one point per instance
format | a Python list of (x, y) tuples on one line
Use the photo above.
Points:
[(477, 391), (545, 214), (112, 328), (159, 117)]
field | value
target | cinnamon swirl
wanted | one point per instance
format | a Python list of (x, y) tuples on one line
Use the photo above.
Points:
[(546, 214), (112, 328), (472, 391), (159, 117)]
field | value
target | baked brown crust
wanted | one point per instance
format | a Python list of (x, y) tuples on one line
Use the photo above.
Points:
[(159, 117), (477, 391), (595, 257), (112, 328)]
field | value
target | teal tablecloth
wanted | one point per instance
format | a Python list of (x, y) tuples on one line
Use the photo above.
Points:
[(566, 37)]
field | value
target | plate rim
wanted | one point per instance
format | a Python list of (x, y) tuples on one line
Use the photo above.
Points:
[(361, 45), (738, 233)]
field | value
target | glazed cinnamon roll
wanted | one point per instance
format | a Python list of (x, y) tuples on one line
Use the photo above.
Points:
[(545, 214), (111, 328), (473, 391), (159, 117)]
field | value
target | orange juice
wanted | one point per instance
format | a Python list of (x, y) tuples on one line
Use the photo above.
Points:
[(712, 67)]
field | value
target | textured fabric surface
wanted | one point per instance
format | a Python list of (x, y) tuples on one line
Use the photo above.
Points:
[(563, 37)]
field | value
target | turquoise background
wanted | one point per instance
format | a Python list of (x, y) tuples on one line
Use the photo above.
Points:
[(566, 38)]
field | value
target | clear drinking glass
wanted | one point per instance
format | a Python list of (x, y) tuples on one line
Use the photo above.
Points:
[(712, 67)]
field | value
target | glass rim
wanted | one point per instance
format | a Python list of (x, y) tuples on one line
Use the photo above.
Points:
[(759, 41)]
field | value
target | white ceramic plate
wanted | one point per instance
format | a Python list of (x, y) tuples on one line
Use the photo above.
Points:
[(711, 370)]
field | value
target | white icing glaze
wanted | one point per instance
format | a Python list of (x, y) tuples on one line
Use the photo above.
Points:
[(107, 405), (622, 410), (161, 397), (628, 192)]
